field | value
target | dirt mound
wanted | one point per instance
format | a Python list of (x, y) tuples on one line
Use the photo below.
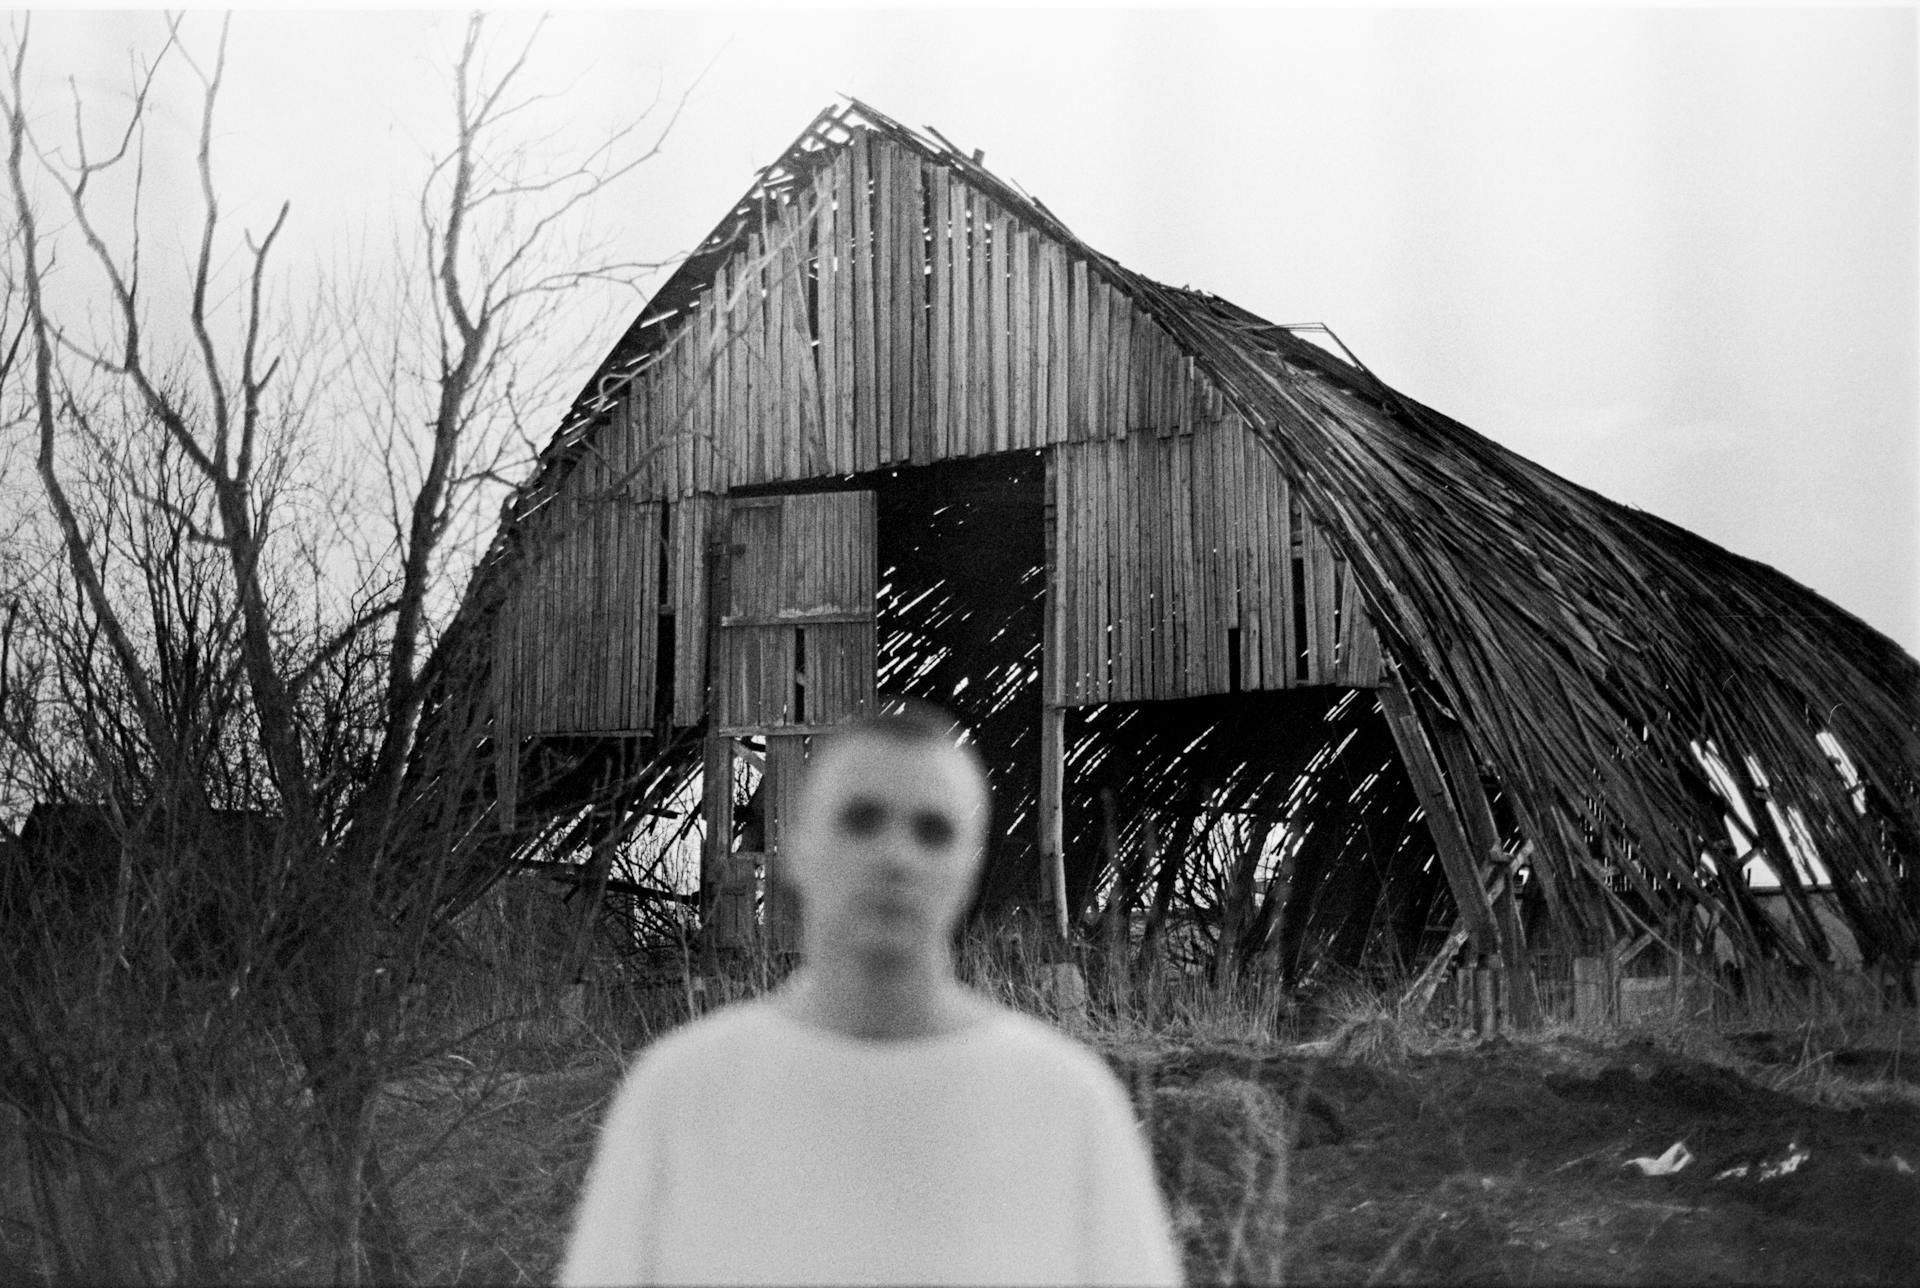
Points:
[(1513, 1163)]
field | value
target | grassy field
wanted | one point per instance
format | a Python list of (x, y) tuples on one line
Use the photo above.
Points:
[(1383, 1150), (1362, 1146)]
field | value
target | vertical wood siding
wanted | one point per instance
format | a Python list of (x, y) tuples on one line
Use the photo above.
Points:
[(1172, 549), (886, 313), (797, 643), (577, 649)]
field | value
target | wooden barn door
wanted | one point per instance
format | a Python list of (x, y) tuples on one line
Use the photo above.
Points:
[(793, 641), (796, 645)]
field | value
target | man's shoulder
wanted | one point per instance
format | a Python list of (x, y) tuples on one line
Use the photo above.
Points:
[(1043, 1048), (720, 1036)]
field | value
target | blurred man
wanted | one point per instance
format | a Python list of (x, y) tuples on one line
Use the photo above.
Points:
[(874, 1121)]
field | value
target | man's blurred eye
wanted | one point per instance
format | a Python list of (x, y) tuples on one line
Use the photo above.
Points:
[(933, 830), (862, 818)]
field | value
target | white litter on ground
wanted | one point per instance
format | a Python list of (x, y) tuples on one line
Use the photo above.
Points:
[(1676, 1157), (1786, 1165)]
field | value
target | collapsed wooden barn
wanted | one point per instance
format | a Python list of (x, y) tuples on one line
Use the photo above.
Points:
[(1244, 634)]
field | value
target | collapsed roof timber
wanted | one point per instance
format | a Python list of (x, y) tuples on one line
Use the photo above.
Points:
[(1242, 629)]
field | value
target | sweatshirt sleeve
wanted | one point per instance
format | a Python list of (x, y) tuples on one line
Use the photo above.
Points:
[(610, 1242), (1131, 1235)]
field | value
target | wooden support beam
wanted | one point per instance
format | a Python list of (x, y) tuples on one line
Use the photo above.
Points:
[(717, 810), (506, 763), (1477, 812), (716, 783), (786, 762), (1052, 774), (593, 889), (1457, 858), (1053, 716)]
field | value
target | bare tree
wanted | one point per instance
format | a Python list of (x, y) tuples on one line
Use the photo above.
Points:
[(209, 657)]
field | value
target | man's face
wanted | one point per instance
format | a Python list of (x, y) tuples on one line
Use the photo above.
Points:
[(887, 845)]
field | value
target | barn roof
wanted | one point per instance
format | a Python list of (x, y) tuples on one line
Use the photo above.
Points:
[(1641, 696)]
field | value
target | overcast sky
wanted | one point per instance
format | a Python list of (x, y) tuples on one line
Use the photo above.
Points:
[(1670, 255)]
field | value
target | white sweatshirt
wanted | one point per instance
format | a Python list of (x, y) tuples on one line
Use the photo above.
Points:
[(751, 1147)]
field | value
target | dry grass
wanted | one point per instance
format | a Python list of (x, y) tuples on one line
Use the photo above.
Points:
[(487, 1143)]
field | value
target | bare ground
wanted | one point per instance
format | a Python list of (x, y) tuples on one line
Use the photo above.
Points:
[(1509, 1163)]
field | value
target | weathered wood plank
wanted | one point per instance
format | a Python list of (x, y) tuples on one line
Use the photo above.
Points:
[(960, 373), (919, 311), (846, 357), (1143, 477), (1140, 364), (1050, 813), (1319, 609), (1059, 343), (1000, 249), (773, 398), (1285, 508), (795, 356), (1106, 622), (803, 339), (909, 293), (885, 298), (725, 451), (1172, 603), (693, 389), (574, 587), (1181, 394), (1103, 342), (655, 464), (1326, 591), (820, 319), (1187, 613), (1257, 617), (1151, 525), (1061, 480), (980, 368), (619, 607), (866, 408), (759, 363), (1203, 647), (1278, 504), (742, 350), (940, 321), (1207, 498), (1131, 552), (1078, 330), (1020, 355)]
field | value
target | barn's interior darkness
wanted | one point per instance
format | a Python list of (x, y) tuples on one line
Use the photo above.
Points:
[(962, 597), (1294, 805)]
